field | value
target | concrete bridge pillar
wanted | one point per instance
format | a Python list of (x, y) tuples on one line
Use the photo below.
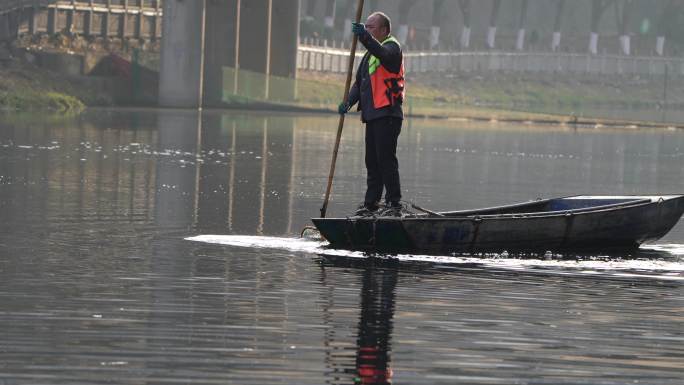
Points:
[(182, 54), (284, 42), (201, 37), (4, 27), (269, 50), (220, 44), (9, 25), (255, 47)]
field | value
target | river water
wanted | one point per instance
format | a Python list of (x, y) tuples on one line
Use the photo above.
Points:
[(144, 246)]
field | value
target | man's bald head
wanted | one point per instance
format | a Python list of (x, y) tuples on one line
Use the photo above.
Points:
[(379, 25)]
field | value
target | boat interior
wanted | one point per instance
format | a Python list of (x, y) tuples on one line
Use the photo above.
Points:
[(574, 204)]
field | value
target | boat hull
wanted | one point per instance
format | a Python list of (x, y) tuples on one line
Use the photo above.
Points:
[(608, 228)]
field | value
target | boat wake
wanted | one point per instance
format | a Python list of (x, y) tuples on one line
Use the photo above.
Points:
[(673, 249), (654, 261)]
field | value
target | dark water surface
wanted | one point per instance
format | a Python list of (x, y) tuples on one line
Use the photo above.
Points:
[(99, 285)]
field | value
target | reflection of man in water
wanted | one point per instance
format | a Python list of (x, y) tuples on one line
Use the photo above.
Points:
[(379, 90), (375, 326)]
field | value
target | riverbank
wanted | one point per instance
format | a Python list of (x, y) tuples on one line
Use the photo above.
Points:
[(25, 87), (507, 91), (66, 74), (538, 98)]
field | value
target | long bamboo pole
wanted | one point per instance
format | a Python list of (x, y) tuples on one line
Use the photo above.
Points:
[(350, 69)]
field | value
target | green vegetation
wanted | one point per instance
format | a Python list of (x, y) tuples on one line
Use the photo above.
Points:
[(34, 100), (25, 87)]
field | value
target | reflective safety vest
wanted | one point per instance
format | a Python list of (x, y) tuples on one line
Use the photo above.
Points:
[(387, 87)]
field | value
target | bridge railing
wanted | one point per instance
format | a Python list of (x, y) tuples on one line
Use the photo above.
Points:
[(107, 18), (11, 5), (335, 60)]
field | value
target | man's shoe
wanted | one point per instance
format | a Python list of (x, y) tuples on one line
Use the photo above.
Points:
[(392, 209), (366, 210)]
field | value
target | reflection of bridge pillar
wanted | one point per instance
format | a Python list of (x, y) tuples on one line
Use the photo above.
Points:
[(176, 186), (174, 205), (213, 202), (278, 184), (180, 73)]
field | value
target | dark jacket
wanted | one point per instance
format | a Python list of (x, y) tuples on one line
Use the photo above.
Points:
[(390, 57)]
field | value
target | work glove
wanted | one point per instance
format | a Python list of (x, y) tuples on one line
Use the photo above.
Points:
[(358, 29), (343, 108)]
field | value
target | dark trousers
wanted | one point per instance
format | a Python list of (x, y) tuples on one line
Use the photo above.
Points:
[(381, 159)]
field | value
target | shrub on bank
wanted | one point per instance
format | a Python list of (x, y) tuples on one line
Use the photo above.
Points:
[(31, 100)]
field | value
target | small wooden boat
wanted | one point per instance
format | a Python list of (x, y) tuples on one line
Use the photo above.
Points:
[(574, 223)]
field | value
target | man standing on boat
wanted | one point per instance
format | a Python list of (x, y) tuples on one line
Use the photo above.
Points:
[(379, 90)]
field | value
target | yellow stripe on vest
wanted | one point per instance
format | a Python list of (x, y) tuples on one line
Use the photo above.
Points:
[(374, 62)]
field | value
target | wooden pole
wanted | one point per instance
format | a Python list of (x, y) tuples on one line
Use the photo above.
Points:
[(350, 69)]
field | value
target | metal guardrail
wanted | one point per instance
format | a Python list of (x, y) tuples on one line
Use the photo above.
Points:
[(146, 7), (328, 59), (117, 18), (11, 5)]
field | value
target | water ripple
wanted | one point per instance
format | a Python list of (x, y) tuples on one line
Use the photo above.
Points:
[(669, 268)]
